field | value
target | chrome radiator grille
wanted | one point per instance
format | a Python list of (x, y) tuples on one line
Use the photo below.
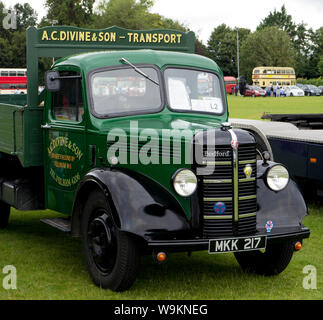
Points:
[(217, 189)]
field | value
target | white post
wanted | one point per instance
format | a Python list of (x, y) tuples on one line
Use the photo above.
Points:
[(238, 62)]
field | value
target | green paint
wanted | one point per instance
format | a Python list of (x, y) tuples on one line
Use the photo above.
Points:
[(65, 149)]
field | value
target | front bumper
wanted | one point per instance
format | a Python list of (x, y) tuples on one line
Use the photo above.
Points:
[(282, 235)]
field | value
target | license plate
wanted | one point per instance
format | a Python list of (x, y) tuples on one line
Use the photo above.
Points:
[(237, 244)]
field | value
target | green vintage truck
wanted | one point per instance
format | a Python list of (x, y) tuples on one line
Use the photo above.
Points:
[(130, 141)]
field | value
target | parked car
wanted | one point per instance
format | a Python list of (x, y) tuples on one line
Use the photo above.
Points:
[(301, 86), (249, 91), (321, 88), (294, 91), (306, 90), (259, 92), (311, 90), (315, 91), (254, 91)]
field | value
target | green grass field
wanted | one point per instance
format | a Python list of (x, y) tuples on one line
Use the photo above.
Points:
[(253, 108), (50, 265)]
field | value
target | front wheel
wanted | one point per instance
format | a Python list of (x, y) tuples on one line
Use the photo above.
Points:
[(269, 263), (112, 257)]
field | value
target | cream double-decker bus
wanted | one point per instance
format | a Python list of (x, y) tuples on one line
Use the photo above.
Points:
[(268, 76)]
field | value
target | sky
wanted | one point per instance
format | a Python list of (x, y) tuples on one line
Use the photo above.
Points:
[(202, 16)]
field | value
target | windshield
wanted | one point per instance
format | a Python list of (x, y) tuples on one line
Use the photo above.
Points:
[(192, 90), (125, 91)]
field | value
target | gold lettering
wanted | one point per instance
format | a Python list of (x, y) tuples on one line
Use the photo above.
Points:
[(62, 35), (101, 36), (173, 38), (166, 38), (63, 157), (44, 36), (155, 37), (135, 37), (148, 37), (81, 36), (76, 178), (142, 38), (113, 37), (64, 142), (106, 37), (87, 36), (53, 35), (179, 36), (130, 34), (160, 37)]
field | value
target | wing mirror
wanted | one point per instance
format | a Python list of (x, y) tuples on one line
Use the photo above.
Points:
[(52, 81)]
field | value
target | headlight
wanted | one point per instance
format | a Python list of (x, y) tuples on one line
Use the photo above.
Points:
[(277, 177), (185, 182)]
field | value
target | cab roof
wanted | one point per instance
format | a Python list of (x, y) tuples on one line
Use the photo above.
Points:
[(95, 60)]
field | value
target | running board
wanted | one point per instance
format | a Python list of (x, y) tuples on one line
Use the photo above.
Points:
[(61, 224)]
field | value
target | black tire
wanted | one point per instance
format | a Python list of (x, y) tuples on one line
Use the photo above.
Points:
[(112, 257), (4, 215), (269, 263), (291, 95)]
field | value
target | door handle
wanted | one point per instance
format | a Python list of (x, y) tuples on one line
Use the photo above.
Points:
[(45, 126)]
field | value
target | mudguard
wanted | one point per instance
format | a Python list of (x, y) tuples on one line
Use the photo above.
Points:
[(285, 208), (140, 205), (143, 207)]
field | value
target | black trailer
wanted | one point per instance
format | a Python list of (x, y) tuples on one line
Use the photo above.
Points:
[(295, 140)]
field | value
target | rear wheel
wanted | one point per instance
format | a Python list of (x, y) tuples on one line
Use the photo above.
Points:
[(4, 214), (271, 262), (112, 257)]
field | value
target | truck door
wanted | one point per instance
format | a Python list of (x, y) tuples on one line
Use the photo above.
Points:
[(64, 133)]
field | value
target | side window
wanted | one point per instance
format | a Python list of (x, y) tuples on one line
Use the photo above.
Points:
[(67, 104)]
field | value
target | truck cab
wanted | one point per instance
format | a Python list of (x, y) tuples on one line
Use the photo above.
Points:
[(136, 151)]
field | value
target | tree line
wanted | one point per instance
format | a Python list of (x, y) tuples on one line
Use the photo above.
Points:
[(277, 41)]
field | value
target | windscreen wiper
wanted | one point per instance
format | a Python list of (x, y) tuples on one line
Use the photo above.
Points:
[(123, 60)]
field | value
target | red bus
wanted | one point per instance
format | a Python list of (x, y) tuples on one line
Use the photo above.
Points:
[(13, 81), (230, 83)]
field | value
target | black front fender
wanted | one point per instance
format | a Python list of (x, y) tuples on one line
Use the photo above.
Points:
[(285, 208), (140, 206)]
